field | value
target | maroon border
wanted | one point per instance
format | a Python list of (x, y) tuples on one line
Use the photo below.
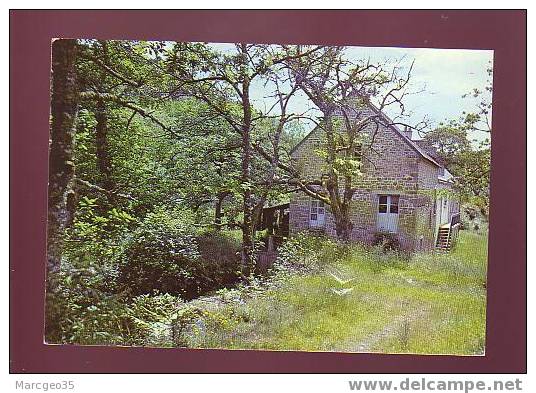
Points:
[(30, 35)]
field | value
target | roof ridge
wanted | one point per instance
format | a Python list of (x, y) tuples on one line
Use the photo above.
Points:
[(408, 141)]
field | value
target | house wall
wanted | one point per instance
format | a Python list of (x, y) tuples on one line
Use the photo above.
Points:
[(425, 211), (390, 167)]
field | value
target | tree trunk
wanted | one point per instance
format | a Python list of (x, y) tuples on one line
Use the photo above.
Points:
[(257, 212), (218, 213), (64, 107), (104, 164), (340, 207), (247, 225), (343, 227), (103, 152), (341, 216)]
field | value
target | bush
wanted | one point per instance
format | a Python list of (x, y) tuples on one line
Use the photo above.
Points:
[(77, 313), (159, 320), (161, 255), (473, 219), (126, 296), (307, 252), (164, 254), (386, 241), (220, 258), (95, 233)]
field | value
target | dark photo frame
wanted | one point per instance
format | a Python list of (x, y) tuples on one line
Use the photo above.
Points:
[(31, 32)]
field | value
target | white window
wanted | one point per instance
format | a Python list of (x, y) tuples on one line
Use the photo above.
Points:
[(317, 213), (388, 213)]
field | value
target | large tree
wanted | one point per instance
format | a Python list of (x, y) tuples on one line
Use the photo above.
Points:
[(464, 147), (344, 93), (64, 109), (446, 142), (224, 81)]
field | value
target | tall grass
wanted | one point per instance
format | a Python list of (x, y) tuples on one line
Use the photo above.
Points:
[(430, 303)]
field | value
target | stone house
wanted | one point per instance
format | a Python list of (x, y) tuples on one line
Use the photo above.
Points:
[(403, 189)]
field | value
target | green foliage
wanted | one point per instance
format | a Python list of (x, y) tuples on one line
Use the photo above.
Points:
[(80, 311), (308, 252), (469, 161), (102, 303), (165, 254), (473, 170), (386, 241), (158, 320), (464, 146), (85, 149), (135, 251), (161, 255), (431, 304), (296, 253), (95, 235), (448, 141), (220, 255)]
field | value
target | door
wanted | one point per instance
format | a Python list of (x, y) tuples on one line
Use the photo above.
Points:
[(388, 213), (317, 215), (444, 210), (438, 207)]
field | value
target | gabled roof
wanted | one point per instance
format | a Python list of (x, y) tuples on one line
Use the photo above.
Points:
[(446, 177), (303, 140), (408, 141)]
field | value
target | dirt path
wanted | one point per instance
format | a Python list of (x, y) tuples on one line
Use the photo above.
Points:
[(401, 326)]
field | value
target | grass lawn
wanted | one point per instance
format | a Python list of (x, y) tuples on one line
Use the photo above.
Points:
[(429, 304)]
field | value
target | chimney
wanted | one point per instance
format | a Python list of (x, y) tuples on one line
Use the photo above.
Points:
[(407, 132)]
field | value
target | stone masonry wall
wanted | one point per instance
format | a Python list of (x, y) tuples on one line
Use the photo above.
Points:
[(390, 167), (425, 212)]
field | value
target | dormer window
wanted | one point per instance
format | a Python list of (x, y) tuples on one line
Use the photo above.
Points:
[(358, 154), (358, 151), (324, 179)]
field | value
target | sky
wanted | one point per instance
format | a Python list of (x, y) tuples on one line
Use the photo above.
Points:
[(445, 74)]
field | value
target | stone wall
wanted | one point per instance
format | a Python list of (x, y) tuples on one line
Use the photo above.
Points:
[(425, 212), (390, 167)]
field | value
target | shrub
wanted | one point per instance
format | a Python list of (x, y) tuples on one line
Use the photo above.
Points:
[(161, 255), (307, 252), (473, 219), (94, 235), (77, 313), (166, 255), (294, 253), (386, 241), (220, 258), (126, 297), (159, 320)]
